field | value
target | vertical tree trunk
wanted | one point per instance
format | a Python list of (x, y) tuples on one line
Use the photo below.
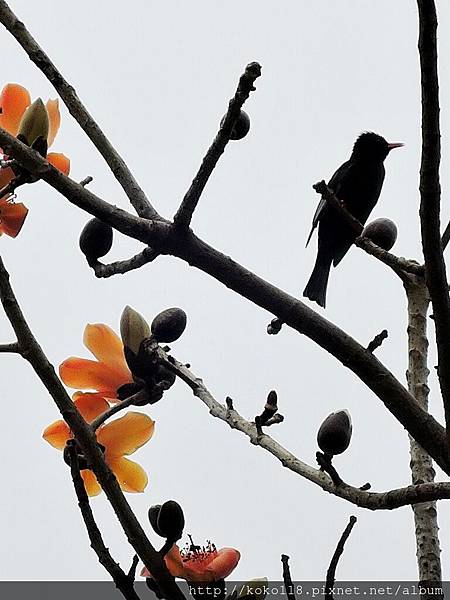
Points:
[(425, 514)]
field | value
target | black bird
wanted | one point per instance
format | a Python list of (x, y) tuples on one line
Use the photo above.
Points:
[(357, 183)]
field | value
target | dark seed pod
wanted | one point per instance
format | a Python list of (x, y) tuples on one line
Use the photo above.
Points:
[(241, 126), (96, 239), (382, 232), (169, 324), (171, 520), (335, 433), (153, 513)]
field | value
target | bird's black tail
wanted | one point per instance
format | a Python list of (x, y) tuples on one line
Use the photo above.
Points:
[(316, 288)]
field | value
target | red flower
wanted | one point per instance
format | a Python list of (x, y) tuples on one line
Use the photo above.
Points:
[(200, 564)]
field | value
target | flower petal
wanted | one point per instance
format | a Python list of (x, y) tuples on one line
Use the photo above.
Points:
[(90, 405), (130, 475), (14, 100), (223, 564), (90, 375), (57, 434), (127, 434), (5, 176), (12, 217), (174, 563), (107, 347), (54, 119), (91, 484), (59, 161)]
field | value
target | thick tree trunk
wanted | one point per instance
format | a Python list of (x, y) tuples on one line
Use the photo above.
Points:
[(425, 514)]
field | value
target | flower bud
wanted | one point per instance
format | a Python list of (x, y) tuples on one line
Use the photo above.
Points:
[(335, 433), (133, 329), (170, 520), (382, 232), (241, 126), (169, 324), (34, 123), (153, 513), (95, 240)]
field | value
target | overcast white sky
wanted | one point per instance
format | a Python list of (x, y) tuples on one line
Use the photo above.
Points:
[(157, 76)]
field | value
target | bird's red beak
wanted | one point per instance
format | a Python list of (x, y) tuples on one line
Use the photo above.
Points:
[(395, 145)]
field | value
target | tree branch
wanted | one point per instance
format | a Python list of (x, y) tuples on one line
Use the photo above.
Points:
[(331, 573), (115, 162), (182, 218), (85, 436), (371, 500), (115, 409), (430, 196), (13, 347), (287, 579), (124, 266), (123, 582), (166, 239)]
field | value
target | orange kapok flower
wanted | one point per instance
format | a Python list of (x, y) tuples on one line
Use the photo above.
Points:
[(120, 437), (106, 374), (195, 564), (14, 103)]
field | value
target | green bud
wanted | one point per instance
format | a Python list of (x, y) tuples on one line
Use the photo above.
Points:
[(133, 329), (34, 123)]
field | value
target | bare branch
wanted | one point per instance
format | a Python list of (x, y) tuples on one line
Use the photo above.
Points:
[(87, 180), (182, 218), (331, 573), (13, 347), (123, 582), (86, 439), (115, 162), (116, 408), (430, 195), (361, 497), (121, 267), (377, 341), (287, 579)]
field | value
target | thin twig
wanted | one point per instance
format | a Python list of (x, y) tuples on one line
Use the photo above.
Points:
[(132, 570), (121, 267), (115, 409), (430, 196), (331, 573), (13, 347), (182, 218), (123, 582), (287, 579), (76, 108), (86, 181), (377, 340), (85, 437), (361, 497)]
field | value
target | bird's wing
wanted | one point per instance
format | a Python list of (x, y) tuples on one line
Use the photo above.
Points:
[(335, 184)]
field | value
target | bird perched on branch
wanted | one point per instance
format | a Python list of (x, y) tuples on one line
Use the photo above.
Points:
[(357, 183)]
